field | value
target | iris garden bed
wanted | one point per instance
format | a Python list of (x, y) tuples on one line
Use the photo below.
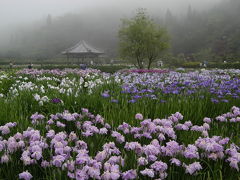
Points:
[(85, 124)]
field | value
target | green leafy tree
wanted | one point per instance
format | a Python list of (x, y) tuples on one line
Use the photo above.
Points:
[(141, 40)]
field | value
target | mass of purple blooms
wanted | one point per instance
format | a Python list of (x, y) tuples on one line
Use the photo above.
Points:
[(64, 145), (222, 86), (78, 144)]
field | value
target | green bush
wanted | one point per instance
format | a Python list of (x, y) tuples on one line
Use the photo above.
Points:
[(191, 65), (110, 69), (235, 65), (220, 65)]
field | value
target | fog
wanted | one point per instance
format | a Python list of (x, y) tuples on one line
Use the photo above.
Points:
[(14, 12), (33, 28)]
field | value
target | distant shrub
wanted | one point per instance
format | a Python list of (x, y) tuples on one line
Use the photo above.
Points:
[(62, 66), (220, 65), (110, 69), (234, 65), (191, 65), (159, 71)]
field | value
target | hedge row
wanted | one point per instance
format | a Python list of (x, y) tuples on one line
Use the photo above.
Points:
[(220, 65)]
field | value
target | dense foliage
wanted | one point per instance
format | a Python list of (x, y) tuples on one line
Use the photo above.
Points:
[(141, 40), (211, 35)]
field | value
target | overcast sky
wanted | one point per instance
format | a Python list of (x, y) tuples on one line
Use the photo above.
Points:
[(14, 12)]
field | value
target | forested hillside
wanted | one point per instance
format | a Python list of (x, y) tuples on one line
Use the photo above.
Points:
[(212, 33)]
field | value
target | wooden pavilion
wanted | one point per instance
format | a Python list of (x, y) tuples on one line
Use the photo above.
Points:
[(82, 50)]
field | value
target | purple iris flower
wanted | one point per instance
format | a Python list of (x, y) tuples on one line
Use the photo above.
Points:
[(132, 101), (114, 101), (105, 94), (214, 100), (225, 100), (56, 100), (137, 97)]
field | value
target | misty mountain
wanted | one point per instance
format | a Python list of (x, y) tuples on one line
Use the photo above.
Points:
[(217, 30)]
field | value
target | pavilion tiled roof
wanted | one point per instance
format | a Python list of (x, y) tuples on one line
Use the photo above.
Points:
[(82, 48)]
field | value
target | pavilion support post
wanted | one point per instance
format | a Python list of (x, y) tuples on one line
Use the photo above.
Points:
[(67, 59), (72, 61)]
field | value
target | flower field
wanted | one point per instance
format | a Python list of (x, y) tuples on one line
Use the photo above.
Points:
[(86, 124)]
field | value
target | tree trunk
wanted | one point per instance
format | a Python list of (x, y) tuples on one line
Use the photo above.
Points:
[(150, 60), (139, 63)]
